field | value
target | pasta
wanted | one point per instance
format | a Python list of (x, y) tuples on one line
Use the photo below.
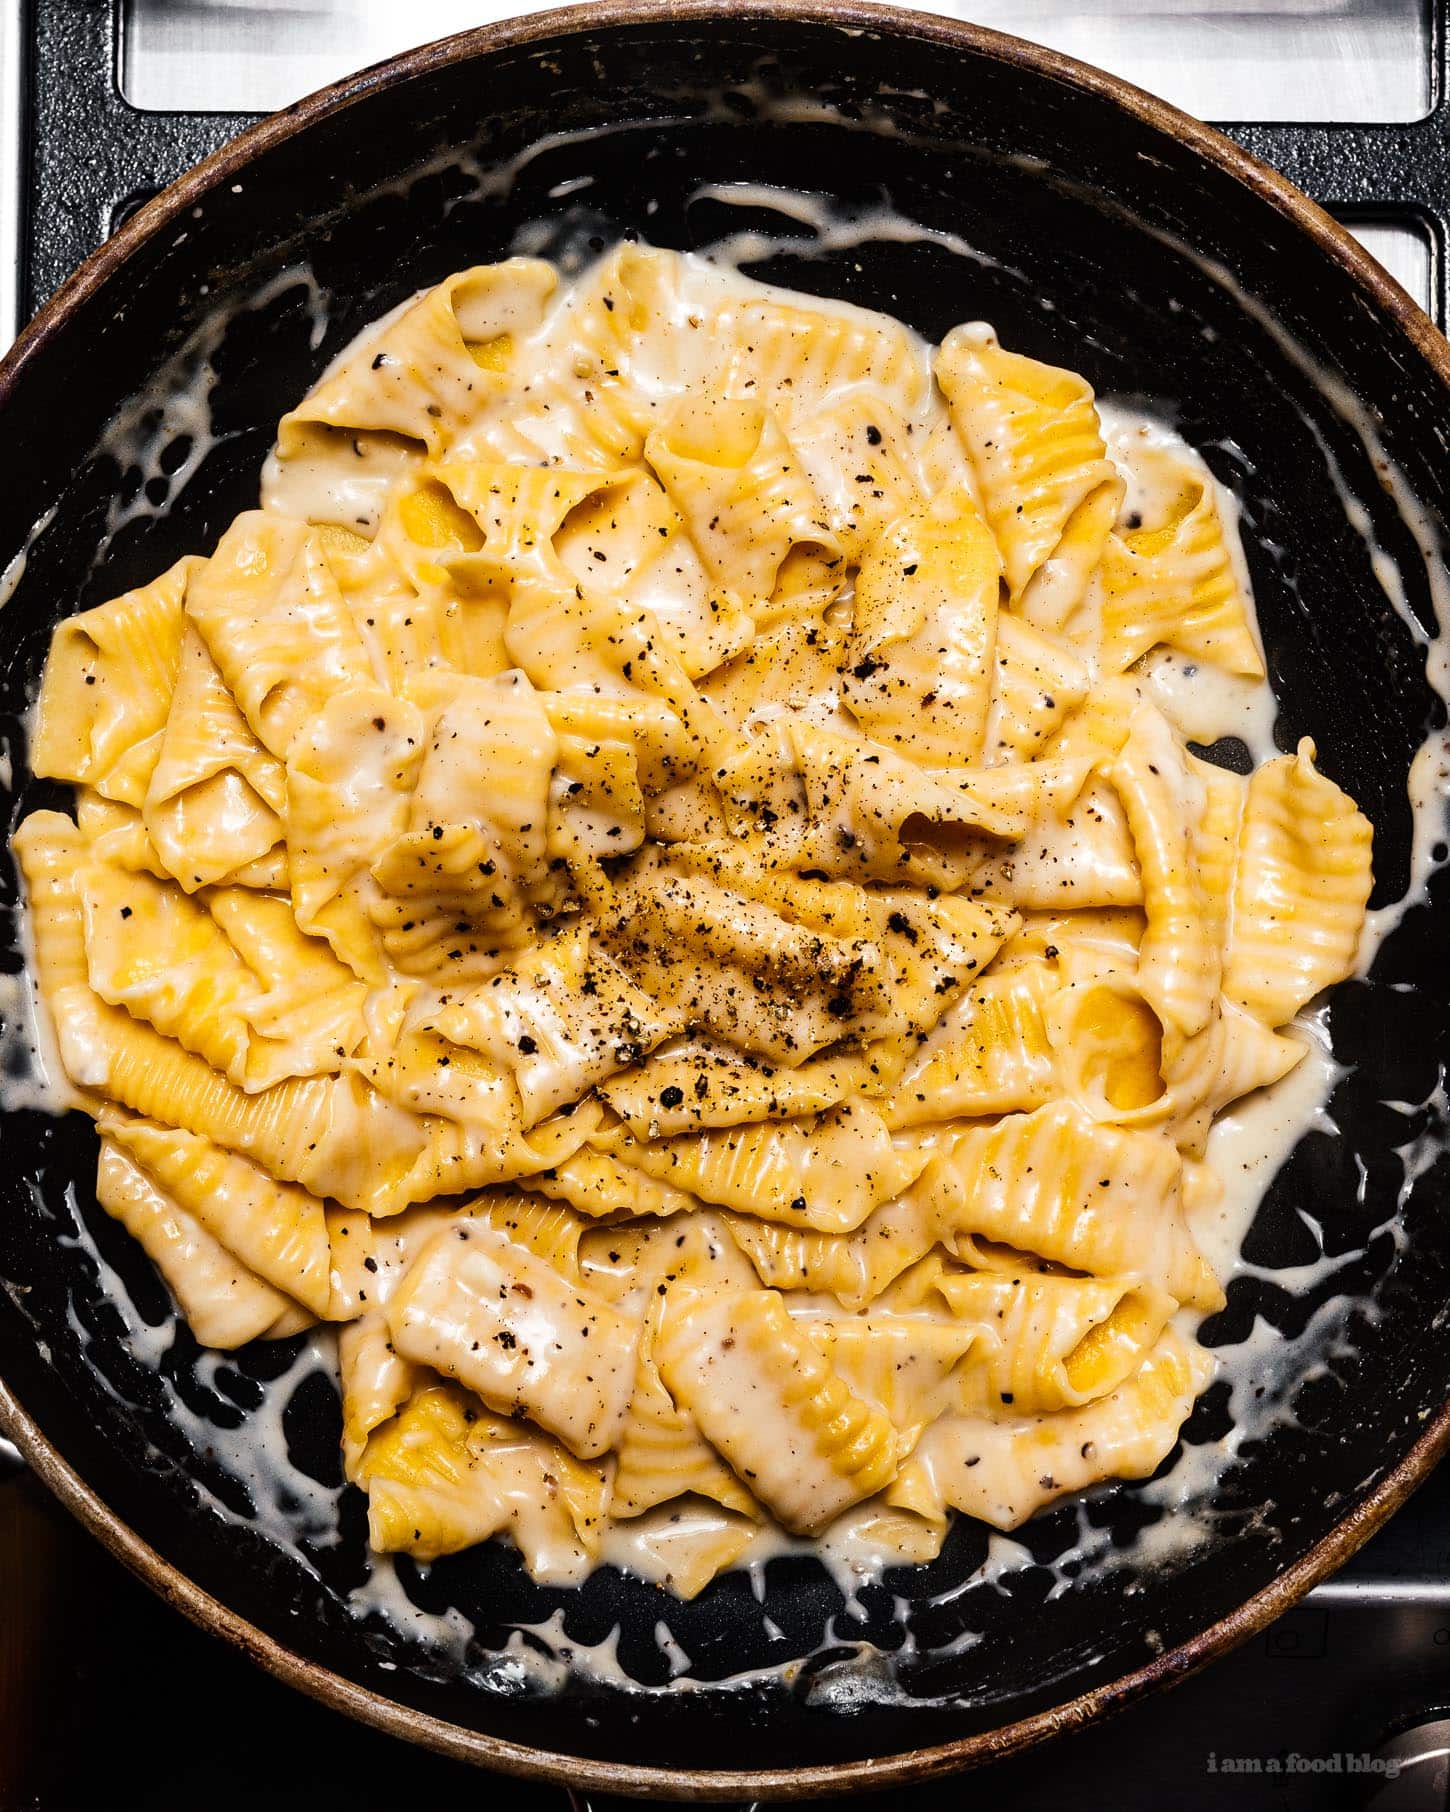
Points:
[(649, 883)]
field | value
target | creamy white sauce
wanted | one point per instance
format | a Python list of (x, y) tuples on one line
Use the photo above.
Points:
[(1204, 701), (1250, 1142), (31, 1072), (12, 573), (317, 489), (1208, 703), (14, 569), (175, 407), (828, 228), (1247, 1145)]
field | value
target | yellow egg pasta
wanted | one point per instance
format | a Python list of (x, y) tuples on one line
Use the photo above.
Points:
[(1002, 1472), (655, 896), (215, 801), (108, 686), (918, 668), (1174, 583), (1032, 432), (1300, 888), (789, 1425), (225, 1303)]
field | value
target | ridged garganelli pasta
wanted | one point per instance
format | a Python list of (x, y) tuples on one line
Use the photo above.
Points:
[(650, 882)]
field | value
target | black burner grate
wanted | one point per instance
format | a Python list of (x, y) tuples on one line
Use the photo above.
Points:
[(92, 158)]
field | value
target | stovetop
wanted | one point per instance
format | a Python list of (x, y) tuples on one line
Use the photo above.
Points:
[(109, 1701)]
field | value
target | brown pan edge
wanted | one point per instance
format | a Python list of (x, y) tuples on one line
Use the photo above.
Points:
[(320, 1683)]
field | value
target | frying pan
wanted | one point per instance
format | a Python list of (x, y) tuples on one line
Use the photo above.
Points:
[(1111, 234)]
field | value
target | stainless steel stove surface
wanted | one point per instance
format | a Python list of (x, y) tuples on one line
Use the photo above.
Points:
[(109, 1701), (1272, 60), (1251, 59)]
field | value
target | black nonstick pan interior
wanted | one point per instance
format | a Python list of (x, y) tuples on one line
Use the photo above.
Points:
[(1082, 210)]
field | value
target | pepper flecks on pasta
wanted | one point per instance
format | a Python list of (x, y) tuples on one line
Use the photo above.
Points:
[(650, 882)]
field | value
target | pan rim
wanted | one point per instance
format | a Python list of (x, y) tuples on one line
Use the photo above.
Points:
[(456, 1740)]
